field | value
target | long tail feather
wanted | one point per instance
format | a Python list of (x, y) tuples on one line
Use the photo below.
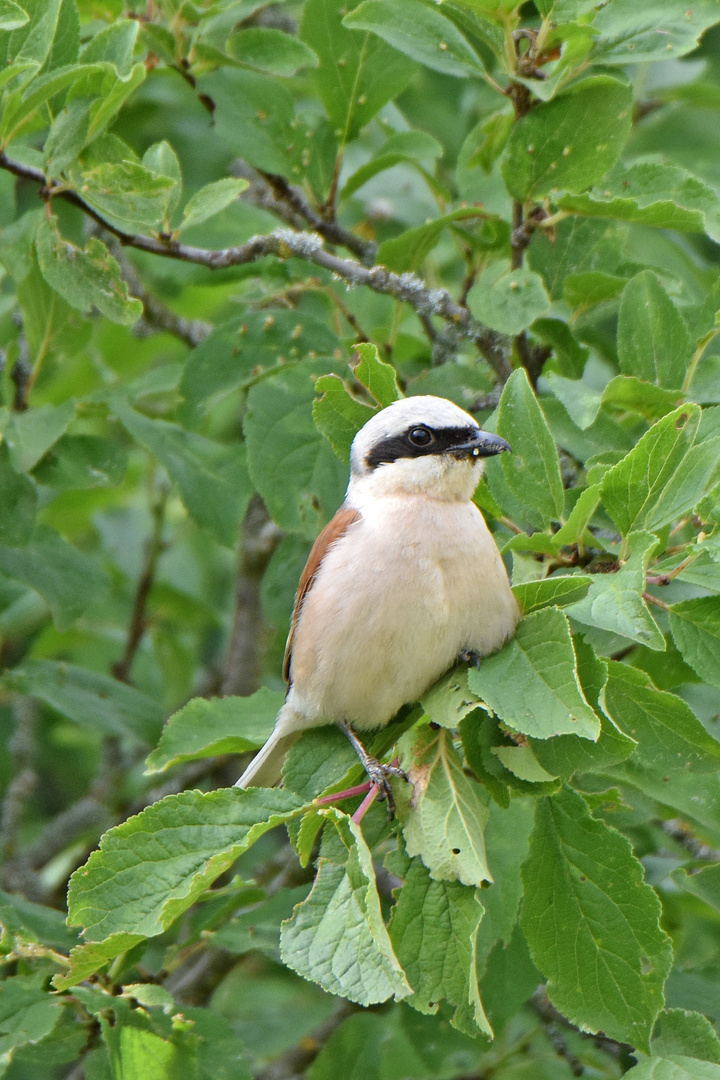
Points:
[(265, 769)]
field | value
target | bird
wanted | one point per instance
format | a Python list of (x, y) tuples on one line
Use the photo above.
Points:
[(404, 581)]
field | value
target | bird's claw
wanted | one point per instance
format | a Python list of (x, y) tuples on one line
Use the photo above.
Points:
[(380, 774), (469, 656)]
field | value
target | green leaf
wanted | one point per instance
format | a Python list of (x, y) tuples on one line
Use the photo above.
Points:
[(632, 489), (532, 471), (651, 401), (672, 743), (254, 115), (696, 476), (586, 908), (29, 921), (379, 378), (592, 287), (358, 73), (653, 340), (85, 278), (695, 627), (12, 16), (557, 591), (689, 1033), (87, 698), (508, 300), (446, 819), (114, 96), (700, 881), (410, 249), (569, 143), (67, 137), (507, 839), (131, 196), (212, 478), (449, 700), (30, 434), (433, 930), (22, 107), (259, 928), (27, 1015), (240, 351), (291, 464), (211, 199), (153, 867), (204, 728), (615, 601), (113, 44), (33, 41), (270, 50), (18, 499), (337, 936), (632, 35), (573, 531), (338, 415), (532, 684), (677, 1067), (651, 193), (65, 577), (404, 146), (581, 401), (83, 461), (426, 36), (161, 159)]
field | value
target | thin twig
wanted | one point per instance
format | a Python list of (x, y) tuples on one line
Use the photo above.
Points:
[(260, 537), (138, 619), (285, 244), (21, 746)]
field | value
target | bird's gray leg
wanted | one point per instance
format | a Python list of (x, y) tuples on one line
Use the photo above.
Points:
[(378, 771), (469, 656)]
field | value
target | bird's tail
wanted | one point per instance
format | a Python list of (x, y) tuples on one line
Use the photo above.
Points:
[(265, 769)]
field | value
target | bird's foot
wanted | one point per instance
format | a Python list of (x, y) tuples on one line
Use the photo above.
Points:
[(378, 771), (469, 656)]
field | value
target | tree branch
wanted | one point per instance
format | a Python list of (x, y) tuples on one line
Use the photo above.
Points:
[(260, 537), (285, 244)]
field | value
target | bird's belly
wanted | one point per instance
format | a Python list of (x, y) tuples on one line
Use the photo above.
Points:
[(410, 605)]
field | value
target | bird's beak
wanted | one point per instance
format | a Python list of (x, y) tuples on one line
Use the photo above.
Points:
[(481, 444)]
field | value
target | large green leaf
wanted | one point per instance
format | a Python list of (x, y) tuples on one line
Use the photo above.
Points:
[(632, 489), (508, 300), (337, 936), (653, 340), (425, 35), (18, 499), (569, 143), (615, 601), (291, 464), (67, 579), (85, 278), (228, 725), (212, 478), (695, 627), (151, 868), (358, 71), (533, 685), (651, 193), (586, 908), (92, 700), (446, 819), (434, 929), (532, 471), (632, 34)]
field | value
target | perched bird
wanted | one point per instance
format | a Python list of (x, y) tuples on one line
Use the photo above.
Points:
[(405, 580)]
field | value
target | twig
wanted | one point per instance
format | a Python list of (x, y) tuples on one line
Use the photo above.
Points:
[(155, 314), (551, 1018), (682, 832), (22, 750), (260, 537), (285, 244), (138, 619)]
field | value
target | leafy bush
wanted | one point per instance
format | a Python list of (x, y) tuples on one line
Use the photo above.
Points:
[(518, 203)]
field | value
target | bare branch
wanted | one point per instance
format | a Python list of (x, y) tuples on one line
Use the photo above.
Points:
[(22, 750), (260, 537), (285, 244), (295, 1061), (138, 619)]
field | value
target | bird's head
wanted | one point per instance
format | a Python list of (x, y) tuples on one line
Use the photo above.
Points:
[(421, 445)]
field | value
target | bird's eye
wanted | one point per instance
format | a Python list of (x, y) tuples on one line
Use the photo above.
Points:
[(420, 436)]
